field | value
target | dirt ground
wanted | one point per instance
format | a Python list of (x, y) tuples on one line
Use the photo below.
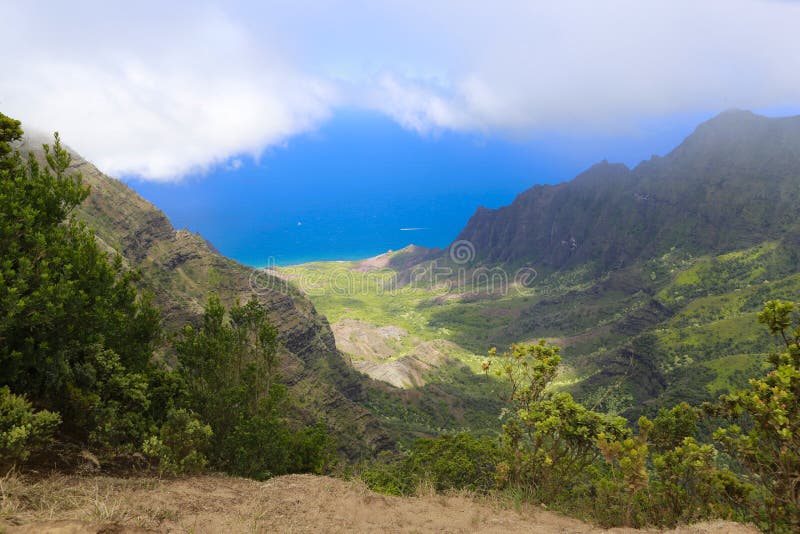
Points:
[(296, 503)]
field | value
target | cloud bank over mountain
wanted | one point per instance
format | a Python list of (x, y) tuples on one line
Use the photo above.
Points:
[(160, 92)]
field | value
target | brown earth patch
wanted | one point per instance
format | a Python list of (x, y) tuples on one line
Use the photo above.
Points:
[(367, 341)]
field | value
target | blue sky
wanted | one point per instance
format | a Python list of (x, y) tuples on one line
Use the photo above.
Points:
[(237, 117)]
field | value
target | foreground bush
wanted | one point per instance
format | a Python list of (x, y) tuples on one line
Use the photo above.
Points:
[(78, 339), (23, 431), (230, 370), (448, 462), (458, 461), (181, 444), (75, 336), (764, 437), (549, 439)]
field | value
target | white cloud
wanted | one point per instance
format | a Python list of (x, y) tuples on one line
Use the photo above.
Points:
[(161, 107), (162, 91)]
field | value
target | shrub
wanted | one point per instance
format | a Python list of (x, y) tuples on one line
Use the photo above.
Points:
[(23, 431), (549, 439), (458, 461), (180, 444), (385, 474), (263, 445), (764, 437), (689, 486), (75, 335), (621, 493), (229, 367)]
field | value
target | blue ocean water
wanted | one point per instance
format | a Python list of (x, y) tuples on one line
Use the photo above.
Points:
[(362, 185)]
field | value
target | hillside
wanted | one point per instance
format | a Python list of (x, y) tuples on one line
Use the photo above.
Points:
[(649, 277), (180, 269)]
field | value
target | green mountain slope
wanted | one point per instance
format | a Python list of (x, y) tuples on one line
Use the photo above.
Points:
[(181, 269), (651, 277)]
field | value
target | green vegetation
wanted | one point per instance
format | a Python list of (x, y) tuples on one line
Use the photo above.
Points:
[(448, 462), (555, 451), (230, 372), (23, 431), (764, 437), (633, 341), (76, 337)]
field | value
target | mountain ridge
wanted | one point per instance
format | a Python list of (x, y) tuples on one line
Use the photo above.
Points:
[(660, 201)]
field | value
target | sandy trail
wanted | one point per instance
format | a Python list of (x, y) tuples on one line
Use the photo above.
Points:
[(296, 503)]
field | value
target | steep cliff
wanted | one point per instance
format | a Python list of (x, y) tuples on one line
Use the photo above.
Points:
[(180, 269), (731, 184)]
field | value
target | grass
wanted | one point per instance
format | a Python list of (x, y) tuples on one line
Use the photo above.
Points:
[(732, 371), (95, 499)]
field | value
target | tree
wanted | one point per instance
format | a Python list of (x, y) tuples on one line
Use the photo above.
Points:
[(230, 367), (75, 337)]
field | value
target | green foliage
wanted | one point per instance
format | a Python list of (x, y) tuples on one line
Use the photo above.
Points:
[(448, 462), (690, 486), (386, 474), (228, 366), (454, 461), (588, 463), (10, 131), (263, 446), (671, 427), (764, 437), (77, 339), (681, 483), (230, 369), (23, 431), (550, 439), (74, 335), (181, 443), (629, 477)]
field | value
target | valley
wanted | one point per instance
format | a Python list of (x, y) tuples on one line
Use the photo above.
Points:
[(656, 314), (694, 318)]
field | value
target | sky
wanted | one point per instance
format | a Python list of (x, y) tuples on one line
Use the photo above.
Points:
[(213, 106)]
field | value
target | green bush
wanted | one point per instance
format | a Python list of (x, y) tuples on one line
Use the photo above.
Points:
[(764, 435), (386, 474), (451, 461), (690, 486), (181, 444), (549, 440), (263, 446), (76, 336), (229, 368), (458, 461), (23, 431)]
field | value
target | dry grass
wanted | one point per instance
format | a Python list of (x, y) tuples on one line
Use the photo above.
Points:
[(296, 503), (91, 499)]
